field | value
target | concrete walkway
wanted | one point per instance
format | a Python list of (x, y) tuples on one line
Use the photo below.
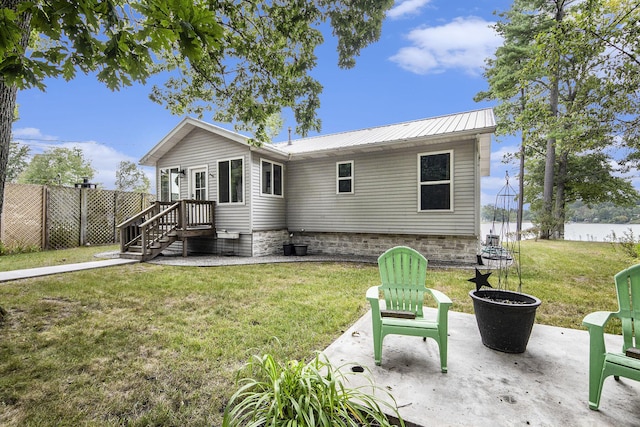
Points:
[(545, 386), (5, 276)]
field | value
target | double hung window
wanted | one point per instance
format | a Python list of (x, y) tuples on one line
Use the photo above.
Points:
[(230, 181), (435, 186), (271, 178), (344, 177)]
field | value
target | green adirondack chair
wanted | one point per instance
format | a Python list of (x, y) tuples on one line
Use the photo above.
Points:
[(619, 364), (403, 272)]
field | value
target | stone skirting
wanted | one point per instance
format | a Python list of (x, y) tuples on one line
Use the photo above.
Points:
[(269, 242), (457, 249)]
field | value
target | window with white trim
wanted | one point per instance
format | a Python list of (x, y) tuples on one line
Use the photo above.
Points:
[(435, 186), (271, 178), (169, 184), (344, 177), (230, 181)]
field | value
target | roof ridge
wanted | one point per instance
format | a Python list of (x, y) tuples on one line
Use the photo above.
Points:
[(381, 126)]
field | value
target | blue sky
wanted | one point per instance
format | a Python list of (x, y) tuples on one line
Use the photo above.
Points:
[(428, 62)]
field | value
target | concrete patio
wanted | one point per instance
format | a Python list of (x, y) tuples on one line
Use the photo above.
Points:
[(547, 385)]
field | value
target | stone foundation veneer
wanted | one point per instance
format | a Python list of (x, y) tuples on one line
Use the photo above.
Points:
[(269, 242), (455, 249)]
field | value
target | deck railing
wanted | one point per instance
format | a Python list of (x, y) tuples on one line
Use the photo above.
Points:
[(156, 224)]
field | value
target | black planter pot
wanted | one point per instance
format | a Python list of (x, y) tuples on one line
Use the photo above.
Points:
[(505, 318), (301, 250), (287, 249)]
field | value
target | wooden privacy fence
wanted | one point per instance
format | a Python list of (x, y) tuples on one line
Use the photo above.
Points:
[(52, 217)]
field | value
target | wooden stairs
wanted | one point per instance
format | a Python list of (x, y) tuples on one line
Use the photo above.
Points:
[(147, 234)]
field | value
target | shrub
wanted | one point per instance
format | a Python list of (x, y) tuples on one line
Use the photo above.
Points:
[(276, 394), (627, 243)]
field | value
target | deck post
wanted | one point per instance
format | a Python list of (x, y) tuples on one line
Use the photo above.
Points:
[(182, 224)]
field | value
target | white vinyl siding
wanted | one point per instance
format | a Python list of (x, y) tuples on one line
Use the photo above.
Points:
[(269, 213), (386, 197), (344, 177), (200, 148)]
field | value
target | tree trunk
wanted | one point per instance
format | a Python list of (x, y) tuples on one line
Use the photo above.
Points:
[(8, 94), (548, 224), (7, 107), (520, 192), (561, 182)]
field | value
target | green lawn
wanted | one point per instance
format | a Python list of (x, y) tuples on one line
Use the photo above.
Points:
[(143, 344)]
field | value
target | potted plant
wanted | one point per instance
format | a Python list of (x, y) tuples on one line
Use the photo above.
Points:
[(288, 247), (505, 318), (272, 393), (300, 249)]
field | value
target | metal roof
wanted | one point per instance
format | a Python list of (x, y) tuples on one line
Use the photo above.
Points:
[(430, 130), (472, 122)]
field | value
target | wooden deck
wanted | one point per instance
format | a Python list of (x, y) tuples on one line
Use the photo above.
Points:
[(147, 234)]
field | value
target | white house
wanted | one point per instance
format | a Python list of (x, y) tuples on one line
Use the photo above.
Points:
[(358, 193)]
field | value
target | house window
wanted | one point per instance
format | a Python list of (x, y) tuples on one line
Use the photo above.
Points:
[(435, 186), (169, 184), (230, 181), (271, 178), (344, 177)]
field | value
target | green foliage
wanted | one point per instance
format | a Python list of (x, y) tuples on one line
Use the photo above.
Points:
[(130, 178), (566, 79), (294, 393), (627, 243), (18, 161), (607, 213), (264, 61), (114, 39), (57, 166), (17, 248)]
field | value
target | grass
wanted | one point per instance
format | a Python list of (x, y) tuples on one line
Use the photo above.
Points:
[(49, 258), (143, 344)]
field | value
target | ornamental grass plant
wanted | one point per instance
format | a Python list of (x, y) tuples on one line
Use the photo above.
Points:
[(295, 393)]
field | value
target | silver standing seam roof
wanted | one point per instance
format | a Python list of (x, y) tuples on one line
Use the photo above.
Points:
[(434, 129), (472, 122)]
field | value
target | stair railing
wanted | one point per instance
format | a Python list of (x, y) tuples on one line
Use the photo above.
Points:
[(159, 226)]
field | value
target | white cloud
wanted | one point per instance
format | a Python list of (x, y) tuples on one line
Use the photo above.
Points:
[(498, 156), (406, 7), (31, 133), (462, 44), (104, 159)]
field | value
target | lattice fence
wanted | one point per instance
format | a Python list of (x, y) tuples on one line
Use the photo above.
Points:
[(24, 205), (101, 217), (63, 217), (60, 217)]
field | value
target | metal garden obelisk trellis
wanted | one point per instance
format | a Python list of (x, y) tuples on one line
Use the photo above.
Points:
[(505, 248)]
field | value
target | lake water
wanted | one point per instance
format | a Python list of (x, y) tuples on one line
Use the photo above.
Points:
[(577, 231)]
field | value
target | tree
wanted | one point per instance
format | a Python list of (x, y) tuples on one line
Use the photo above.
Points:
[(57, 166), (265, 61), (18, 160), (18, 156), (255, 57), (574, 94), (130, 178)]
